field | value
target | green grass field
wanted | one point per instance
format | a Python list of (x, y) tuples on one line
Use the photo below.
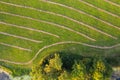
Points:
[(31, 29)]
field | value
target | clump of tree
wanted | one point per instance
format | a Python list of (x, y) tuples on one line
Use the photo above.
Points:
[(54, 68)]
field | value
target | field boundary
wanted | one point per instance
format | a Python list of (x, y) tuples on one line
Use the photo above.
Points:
[(60, 43)]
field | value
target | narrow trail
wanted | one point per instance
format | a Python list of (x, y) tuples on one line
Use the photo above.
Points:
[(13, 46), (31, 29), (60, 43), (20, 37), (100, 9), (112, 3), (51, 23)]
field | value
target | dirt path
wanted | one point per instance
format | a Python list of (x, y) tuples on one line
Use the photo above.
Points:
[(60, 43)]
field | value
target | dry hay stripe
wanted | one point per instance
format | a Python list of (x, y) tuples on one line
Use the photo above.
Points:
[(91, 27), (60, 43), (82, 12), (110, 24), (39, 10), (17, 47), (91, 5), (51, 23), (20, 37), (81, 23), (31, 29), (112, 3)]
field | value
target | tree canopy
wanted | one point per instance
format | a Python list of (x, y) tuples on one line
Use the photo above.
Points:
[(52, 68)]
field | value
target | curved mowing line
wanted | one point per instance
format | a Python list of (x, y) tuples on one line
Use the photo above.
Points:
[(39, 10), (91, 27), (31, 29), (100, 9), (82, 12), (60, 43), (81, 23), (13, 46), (20, 37), (112, 3), (51, 23)]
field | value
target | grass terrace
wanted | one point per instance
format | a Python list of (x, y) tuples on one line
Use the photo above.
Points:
[(31, 29)]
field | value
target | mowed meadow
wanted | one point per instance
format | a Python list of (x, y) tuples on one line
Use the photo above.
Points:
[(31, 29)]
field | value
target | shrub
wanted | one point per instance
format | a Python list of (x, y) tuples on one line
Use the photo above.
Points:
[(52, 68)]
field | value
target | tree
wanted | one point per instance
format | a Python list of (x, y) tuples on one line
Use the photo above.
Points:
[(48, 71), (54, 63), (79, 71), (64, 76), (52, 68), (101, 70)]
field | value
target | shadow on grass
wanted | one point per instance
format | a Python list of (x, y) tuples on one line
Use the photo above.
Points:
[(69, 58)]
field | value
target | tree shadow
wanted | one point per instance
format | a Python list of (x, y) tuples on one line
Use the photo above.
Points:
[(68, 59)]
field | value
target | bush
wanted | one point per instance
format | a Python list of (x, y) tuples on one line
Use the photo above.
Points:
[(79, 71), (52, 68), (101, 70)]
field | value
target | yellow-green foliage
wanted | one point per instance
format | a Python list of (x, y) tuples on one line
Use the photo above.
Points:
[(52, 68), (64, 76), (6, 69), (56, 62), (79, 71), (36, 73), (97, 76), (100, 70), (48, 71), (100, 65), (47, 68)]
